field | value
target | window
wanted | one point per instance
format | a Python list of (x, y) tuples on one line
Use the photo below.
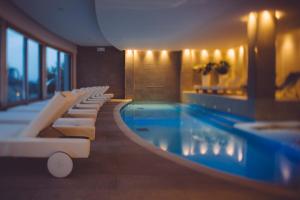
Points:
[(65, 71), (24, 69), (52, 71), (33, 70), (15, 66)]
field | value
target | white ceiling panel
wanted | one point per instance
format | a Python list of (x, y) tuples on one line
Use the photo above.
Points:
[(74, 20)]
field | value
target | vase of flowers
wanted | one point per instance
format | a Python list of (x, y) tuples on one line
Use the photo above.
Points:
[(212, 71)]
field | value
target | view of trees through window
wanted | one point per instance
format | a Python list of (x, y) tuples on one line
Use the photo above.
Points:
[(24, 69), (33, 74), (15, 66), (58, 71), (52, 70), (65, 71)]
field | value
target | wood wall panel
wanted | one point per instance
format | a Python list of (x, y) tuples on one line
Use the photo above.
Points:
[(153, 76), (101, 68)]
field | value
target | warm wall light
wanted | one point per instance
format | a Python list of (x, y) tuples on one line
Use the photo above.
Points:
[(164, 51), (241, 51), (241, 54), (204, 55), (164, 56), (266, 16), (267, 24), (129, 52), (149, 52), (231, 56), (187, 51), (149, 56), (288, 45), (231, 53), (252, 24), (279, 14), (217, 55)]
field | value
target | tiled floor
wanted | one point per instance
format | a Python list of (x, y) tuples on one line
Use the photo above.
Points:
[(117, 169)]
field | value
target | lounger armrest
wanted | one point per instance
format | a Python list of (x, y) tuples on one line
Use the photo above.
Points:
[(44, 147)]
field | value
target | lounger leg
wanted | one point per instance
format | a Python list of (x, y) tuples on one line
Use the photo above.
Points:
[(60, 165)]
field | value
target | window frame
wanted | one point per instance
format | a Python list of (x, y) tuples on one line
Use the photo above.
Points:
[(2, 63), (4, 104)]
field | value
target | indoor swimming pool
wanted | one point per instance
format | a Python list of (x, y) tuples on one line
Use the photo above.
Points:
[(209, 138)]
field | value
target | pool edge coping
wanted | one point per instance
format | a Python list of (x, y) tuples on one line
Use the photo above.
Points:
[(263, 187)]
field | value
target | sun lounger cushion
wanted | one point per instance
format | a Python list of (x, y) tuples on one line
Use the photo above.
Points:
[(89, 106), (17, 117), (10, 130), (83, 113), (34, 107), (56, 107), (76, 127)]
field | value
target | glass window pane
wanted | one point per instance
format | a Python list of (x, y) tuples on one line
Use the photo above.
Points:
[(65, 71), (52, 70), (33, 70), (15, 66)]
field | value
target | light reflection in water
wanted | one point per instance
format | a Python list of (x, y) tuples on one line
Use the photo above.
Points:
[(203, 148), (209, 140), (178, 130), (163, 145), (240, 154), (216, 149)]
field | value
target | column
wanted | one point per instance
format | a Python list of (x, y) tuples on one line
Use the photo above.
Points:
[(262, 55), (261, 63)]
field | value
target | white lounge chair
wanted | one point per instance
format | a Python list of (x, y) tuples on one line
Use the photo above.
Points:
[(68, 127), (22, 140)]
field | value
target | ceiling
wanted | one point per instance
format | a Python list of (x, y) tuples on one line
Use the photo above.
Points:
[(151, 24), (74, 20)]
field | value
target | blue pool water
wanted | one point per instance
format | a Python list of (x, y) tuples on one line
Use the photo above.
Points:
[(208, 138)]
